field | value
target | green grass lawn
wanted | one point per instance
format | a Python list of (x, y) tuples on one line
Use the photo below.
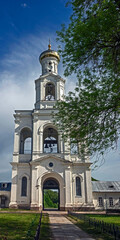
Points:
[(96, 233), (45, 233), (111, 219), (15, 226)]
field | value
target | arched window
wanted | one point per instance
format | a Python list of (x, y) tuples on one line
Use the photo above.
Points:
[(25, 141), (50, 140), (24, 187), (50, 67), (50, 92), (74, 148), (78, 186)]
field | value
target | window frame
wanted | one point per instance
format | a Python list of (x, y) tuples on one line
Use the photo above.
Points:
[(3, 200), (49, 97), (24, 188), (110, 201), (78, 188), (4, 185), (100, 201)]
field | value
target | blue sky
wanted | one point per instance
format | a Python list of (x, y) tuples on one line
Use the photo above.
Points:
[(26, 27)]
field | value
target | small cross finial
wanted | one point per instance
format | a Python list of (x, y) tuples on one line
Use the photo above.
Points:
[(49, 45)]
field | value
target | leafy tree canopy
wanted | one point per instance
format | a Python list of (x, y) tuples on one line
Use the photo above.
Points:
[(92, 37), (90, 48), (50, 199)]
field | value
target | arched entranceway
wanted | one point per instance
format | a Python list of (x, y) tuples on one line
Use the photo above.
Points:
[(51, 194)]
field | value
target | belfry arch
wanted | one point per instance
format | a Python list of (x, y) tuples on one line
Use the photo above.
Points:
[(49, 92), (50, 140), (25, 141)]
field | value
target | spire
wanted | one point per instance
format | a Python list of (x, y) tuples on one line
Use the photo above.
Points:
[(49, 45)]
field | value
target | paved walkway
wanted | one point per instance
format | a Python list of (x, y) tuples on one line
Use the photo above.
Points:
[(63, 229)]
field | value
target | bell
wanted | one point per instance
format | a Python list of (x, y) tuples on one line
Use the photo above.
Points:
[(46, 146)]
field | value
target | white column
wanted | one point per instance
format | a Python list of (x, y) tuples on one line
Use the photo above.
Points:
[(16, 139), (34, 191), (67, 147), (40, 195), (13, 201), (61, 143), (41, 142), (68, 187), (35, 134), (88, 186)]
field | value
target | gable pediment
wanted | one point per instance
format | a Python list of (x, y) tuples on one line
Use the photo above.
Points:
[(51, 156), (50, 76)]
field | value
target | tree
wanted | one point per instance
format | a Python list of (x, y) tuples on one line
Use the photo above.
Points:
[(50, 199), (92, 37), (90, 48)]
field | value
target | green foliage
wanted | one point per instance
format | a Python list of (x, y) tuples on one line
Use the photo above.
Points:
[(93, 36), (50, 199), (90, 47), (93, 179), (111, 219)]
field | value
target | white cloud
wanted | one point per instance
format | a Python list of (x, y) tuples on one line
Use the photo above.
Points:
[(24, 5), (18, 70)]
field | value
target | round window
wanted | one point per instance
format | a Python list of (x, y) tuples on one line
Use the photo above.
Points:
[(50, 164)]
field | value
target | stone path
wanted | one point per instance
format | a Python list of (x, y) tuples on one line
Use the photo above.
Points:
[(63, 229)]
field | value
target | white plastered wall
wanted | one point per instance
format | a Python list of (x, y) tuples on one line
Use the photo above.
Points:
[(105, 196), (40, 172)]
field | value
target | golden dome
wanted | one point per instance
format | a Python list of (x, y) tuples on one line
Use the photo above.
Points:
[(49, 53)]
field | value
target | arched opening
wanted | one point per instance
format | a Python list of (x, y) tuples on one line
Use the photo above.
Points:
[(74, 148), (24, 187), (25, 141), (51, 194), (50, 67), (50, 92), (50, 140)]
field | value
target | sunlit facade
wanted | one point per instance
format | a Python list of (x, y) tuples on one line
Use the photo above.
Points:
[(41, 159)]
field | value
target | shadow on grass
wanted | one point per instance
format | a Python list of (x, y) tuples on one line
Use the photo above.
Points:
[(95, 233), (45, 232)]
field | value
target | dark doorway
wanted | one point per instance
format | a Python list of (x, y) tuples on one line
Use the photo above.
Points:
[(51, 194), (3, 201)]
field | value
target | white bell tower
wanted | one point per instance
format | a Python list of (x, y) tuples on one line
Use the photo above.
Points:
[(41, 159), (50, 86)]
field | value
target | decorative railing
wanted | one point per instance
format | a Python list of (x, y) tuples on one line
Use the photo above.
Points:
[(104, 227), (37, 235)]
